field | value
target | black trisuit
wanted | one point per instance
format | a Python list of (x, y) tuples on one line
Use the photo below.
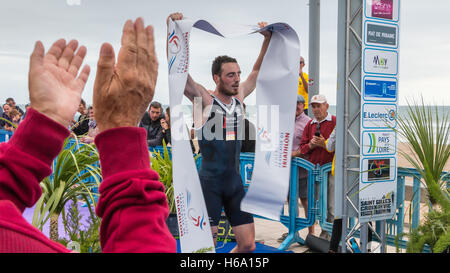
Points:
[(219, 171)]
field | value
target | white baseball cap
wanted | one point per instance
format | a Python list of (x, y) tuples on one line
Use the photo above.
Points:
[(318, 99)]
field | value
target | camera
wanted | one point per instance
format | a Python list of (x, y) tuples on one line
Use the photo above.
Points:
[(317, 130)]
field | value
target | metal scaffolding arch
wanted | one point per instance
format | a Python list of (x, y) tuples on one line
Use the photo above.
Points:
[(350, 39)]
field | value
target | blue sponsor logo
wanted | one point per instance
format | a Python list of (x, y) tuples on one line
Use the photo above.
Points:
[(380, 89)]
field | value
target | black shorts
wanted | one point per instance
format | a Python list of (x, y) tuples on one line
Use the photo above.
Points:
[(225, 191)]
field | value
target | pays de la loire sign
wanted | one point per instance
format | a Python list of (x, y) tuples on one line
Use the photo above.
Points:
[(379, 143)]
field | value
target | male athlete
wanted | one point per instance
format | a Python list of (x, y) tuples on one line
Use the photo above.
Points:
[(220, 136)]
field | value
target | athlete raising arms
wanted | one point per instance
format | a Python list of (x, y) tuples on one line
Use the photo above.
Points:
[(220, 143)]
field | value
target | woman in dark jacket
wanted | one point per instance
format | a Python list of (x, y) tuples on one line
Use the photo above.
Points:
[(165, 124)]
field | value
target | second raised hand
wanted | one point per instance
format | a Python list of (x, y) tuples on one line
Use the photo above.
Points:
[(123, 90)]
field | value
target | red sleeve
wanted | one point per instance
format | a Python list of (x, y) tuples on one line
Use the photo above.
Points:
[(304, 147), (26, 159), (132, 202)]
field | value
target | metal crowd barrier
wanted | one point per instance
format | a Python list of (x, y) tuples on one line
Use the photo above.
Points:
[(317, 209), (5, 135)]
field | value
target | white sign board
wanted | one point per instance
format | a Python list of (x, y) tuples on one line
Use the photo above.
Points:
[(380, 62)]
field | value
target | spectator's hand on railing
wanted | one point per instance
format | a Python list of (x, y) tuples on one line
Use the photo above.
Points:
[(123, 90), (296, 153), (55, 89), (87, 139), (73, 135)]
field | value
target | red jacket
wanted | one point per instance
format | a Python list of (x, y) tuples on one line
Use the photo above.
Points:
[(317, 155), (132, 202)]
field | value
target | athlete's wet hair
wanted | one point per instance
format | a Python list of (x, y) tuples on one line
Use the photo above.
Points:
[(217, 64)]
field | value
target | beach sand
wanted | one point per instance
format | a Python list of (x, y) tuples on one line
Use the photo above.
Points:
[(402, 162)]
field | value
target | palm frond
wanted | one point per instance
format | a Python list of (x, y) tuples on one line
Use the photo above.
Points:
[(75, 173)]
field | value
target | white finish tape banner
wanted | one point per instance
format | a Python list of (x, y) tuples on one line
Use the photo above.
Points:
[(276, 92), (276, 98)]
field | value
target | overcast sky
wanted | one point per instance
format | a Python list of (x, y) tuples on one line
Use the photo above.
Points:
[(424, 39)]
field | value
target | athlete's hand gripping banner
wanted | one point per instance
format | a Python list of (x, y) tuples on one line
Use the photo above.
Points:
[(276, 91)]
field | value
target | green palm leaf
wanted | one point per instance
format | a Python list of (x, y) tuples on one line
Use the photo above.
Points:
[(428, 136), (75, 173)]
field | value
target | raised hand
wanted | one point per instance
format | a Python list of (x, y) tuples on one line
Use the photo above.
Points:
[(123, 91), (266, 33), (175, 16), (55, 90)]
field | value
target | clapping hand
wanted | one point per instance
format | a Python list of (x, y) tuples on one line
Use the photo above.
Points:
[(55, 90), (123, 90)]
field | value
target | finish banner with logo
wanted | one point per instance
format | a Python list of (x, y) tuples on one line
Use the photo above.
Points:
[(276, 90)]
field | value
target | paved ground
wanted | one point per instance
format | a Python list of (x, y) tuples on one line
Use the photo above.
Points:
[(269, 231)]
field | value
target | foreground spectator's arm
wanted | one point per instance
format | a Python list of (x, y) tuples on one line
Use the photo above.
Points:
[(26, 159), (55, 92), (132, 202)]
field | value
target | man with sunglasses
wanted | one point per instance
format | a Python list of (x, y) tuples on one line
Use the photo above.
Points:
[(316, 132)]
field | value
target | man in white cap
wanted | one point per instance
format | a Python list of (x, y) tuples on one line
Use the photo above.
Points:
[(313, 145)]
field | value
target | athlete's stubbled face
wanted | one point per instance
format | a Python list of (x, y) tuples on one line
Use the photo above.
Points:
[(229, 79)]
